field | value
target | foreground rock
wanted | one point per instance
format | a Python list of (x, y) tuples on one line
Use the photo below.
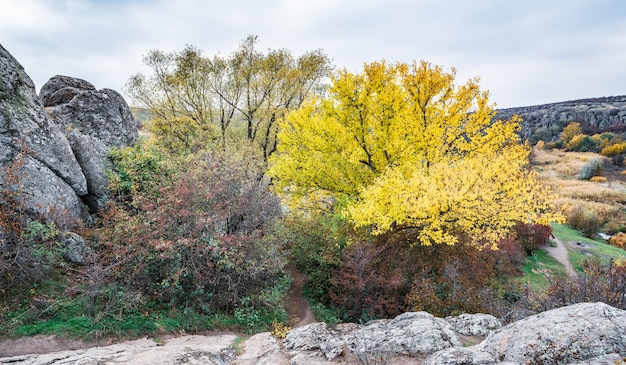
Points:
[(213, 350), (586, 333)]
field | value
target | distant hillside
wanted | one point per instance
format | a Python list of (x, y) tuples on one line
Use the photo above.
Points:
[(545, 122)]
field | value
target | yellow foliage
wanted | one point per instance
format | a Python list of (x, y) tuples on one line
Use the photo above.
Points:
[(279, 330), (614, 149), (402, 146), (600, 179), (570, 130)]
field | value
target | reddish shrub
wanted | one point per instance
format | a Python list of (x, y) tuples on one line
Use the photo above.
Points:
[(532, 236)]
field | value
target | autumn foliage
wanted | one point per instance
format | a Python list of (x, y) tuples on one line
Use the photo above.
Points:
[(401, 146)]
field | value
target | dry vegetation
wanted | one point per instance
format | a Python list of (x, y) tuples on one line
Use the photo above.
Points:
[(604, 198)]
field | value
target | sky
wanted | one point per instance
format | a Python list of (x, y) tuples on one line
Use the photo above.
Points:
[(524, 52)]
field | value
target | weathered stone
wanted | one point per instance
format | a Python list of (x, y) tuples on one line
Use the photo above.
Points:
[(410, 333), (596, 115), (76, 249), (214, 350), (42, 193), (307, 338), (474, 324), (585, 333), (94, 121), (262, 349), (24, 122), (62, 89)]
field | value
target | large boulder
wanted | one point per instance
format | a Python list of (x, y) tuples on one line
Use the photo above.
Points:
[(94, 121), (585, 333), (50, 177), (409, 334)]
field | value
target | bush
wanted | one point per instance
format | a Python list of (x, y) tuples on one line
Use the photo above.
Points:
[(584, 220), (591, 168), (597, 284), (389, 274), (532, 236), (618, 160), (618, 240), (582, 143), (315, 245), (206, 241)]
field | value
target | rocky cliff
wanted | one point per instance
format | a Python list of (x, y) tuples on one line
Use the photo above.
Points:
[(545, 122), (59, 153)]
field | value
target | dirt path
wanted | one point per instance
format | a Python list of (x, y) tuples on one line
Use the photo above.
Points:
[(560, 253), (297, 305)]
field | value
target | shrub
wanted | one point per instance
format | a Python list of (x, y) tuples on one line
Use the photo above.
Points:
[(582, 143), (570, 131), (618, 160), (206, 241), (583, 220), (597, 284), (591, 168), (618, 240), (532, 236), (615, 149), (540, 146), (315, 245), (599, 179), (388, 275)]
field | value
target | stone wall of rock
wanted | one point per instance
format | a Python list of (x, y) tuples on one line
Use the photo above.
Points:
[(62, 148), (545, 122)]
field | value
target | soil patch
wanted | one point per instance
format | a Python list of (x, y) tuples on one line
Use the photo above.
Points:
[(297, 305)]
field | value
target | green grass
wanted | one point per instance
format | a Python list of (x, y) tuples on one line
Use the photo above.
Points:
[(538, 270), (590, 248)]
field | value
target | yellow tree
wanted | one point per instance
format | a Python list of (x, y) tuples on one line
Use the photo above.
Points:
[(402, 147)]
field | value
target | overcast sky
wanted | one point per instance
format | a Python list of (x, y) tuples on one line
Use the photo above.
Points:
[(525, 52)]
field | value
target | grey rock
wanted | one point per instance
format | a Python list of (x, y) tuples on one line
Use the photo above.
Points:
[(24, 120), (262, 349), (62, 89), (76, 249), (408, 334), (474, 324), (214, 350), (307, 338), (42, 193), (596, 115), (584, 333), (94, 121)]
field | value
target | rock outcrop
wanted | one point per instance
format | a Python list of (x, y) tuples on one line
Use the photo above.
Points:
[(585, 333), (59, 152), (94, 121), (50, 177), (545, 122)]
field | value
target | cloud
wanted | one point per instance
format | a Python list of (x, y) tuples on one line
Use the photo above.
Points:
[(525, 52)]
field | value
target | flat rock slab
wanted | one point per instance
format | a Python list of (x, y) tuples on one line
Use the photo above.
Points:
[(215, 350)]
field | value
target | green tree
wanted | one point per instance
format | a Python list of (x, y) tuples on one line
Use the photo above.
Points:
[(403, 147), (199, 100)]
